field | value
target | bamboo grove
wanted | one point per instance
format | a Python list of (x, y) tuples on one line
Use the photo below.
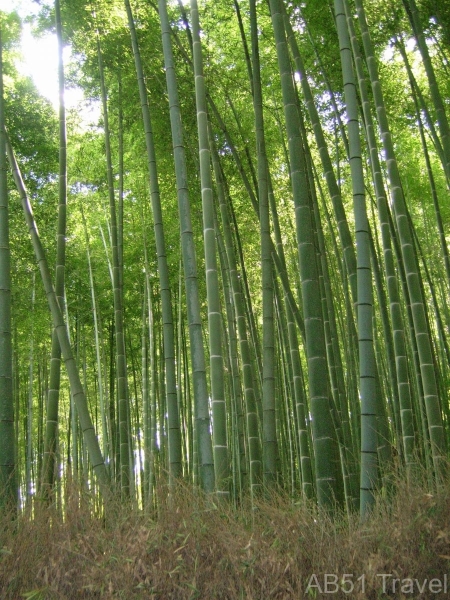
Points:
[(238, 274)]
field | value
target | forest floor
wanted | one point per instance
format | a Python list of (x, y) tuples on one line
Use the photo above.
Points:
[(196, 549)]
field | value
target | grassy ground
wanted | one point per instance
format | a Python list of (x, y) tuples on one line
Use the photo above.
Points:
[(197, 550)]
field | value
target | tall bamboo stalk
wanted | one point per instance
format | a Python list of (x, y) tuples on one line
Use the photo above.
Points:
[(219, 413), (122, 380), (8, 490), (400, 362), (367, 373), (328, 476), (268, 333), (51, 432), (202, 418), (175, 467), (247, 364), (330, 176), (409, 259)]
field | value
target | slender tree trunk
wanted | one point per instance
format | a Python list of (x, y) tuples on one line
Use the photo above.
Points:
[(219, 413), (418, 103), (409, 259), (106, 448), (330, 177), (175, 467), (324, 437), (51, 432), (29, 406), (202, 418), (247, 364), (122, 380), (8, 490), (76, 386), (367, 373), (400, 364), (268, 333)]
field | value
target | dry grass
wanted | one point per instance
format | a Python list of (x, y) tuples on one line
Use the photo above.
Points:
[(197, 550)]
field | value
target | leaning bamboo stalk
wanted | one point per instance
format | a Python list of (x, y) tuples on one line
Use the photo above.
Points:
[(59, 324), (330, 176), (55, 363)]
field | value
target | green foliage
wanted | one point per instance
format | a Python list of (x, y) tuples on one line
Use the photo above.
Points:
[(33, 126)]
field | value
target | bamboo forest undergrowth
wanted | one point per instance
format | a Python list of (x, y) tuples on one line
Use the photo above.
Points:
[(191, 547), (226, 272)]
